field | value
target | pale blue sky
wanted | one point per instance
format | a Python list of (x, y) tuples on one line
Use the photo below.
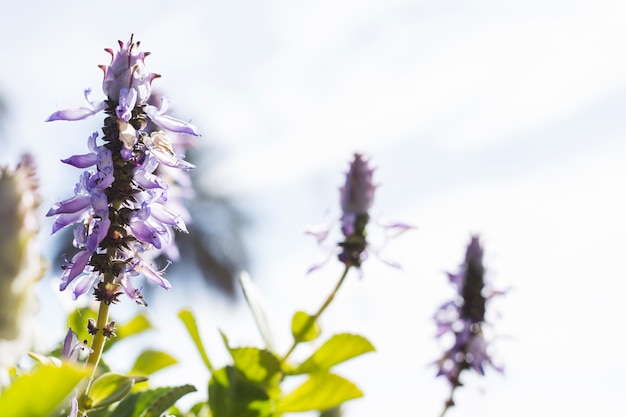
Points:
[(504, 118)]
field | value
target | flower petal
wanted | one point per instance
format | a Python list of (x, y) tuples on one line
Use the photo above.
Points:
[(76, 114)]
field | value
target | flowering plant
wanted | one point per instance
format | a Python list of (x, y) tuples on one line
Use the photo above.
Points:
[(124, 213)]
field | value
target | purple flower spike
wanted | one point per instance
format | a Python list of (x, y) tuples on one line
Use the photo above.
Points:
[(121, 210), (357, 195), (356, 200), (464, 318)]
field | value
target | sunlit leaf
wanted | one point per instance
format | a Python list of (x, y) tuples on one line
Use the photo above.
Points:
[(320, 391), (339, 348), (149, 361), (257, 365), (232, 395), (138, 324), (107, 389), (303, 327), (257, 305), (78, 321), (190, 323), (40, 392), (150, 403)]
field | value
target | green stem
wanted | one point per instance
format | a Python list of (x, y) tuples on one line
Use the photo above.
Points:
[(97, 345), (312, 319)]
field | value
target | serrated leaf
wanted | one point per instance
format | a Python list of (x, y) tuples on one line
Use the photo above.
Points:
[(232, 395), (257, 365), (107, 389), (150, 361), (190, 323), (40, 392), (320, 391), (303, 327), (148, 403), (166, 400), (256, 302), (339, 348)]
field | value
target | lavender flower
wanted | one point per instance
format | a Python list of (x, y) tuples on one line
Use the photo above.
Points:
[(356, 198), (463, 318), (120, 210)]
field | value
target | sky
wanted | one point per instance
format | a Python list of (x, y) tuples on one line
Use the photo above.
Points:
[(498, 118)]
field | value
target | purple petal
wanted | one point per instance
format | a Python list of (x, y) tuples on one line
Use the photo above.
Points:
[(70, 339), (65, 220), (170, 123), (75, 114), (148, 181), (73, 408), (155, 276), (162, 214), (81, 161), (145, 233), (127, 101), (76, 267), (73, 205), (84, 284)]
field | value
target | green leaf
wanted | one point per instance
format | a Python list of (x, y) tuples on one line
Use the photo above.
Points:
[(138, 324), (257, 365), (166, 400), (79, 318), (107, 389), (150, 403), (78, 321), (190, 323), (339, 348), (149, 361), (320, 391), (303, 327), (232, 395), (257, 305), (40, 392)]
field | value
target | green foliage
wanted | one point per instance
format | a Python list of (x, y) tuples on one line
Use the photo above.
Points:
[(190, 323), (150, 361), (148, 403), (256, 303), (339, 348), (231, 394), (251, 385), (40, 393), (79, 318), (257, 365), (304, 327), (320, 391), (107, 389)]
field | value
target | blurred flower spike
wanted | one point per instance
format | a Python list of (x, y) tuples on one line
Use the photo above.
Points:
[(464, 317), (120, 210), (21, 264), (356, 198)]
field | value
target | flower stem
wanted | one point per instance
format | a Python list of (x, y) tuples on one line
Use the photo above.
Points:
[(97, 345), (448, 404), (312, 319)]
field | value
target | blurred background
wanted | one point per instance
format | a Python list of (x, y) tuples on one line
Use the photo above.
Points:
[(500, 118)]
